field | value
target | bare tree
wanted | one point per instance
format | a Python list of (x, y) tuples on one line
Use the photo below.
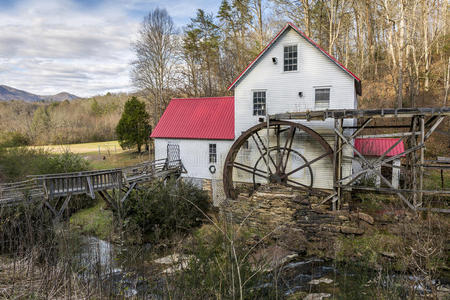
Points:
[(154, 69)]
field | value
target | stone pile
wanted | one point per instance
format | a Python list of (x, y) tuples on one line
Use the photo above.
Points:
[(298, 221)]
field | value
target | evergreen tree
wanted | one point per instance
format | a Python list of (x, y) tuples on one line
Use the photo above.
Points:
[(133, 127)]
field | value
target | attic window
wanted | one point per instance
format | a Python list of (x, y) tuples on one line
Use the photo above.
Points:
[(322, 100), (290, 58)]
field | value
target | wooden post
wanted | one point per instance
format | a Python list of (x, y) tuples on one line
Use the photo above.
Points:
[(413, 161), (268, 146), (278, 158), (396, 173), (337, 161), (422, 158)]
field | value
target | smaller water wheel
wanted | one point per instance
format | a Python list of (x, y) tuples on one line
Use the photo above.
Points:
[(280, 163)]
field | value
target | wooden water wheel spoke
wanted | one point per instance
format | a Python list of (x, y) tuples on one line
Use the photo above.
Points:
[(259, 149), (308, 164), (250, 169), (298, 183), (280, 164), (265, 149), (289, 140)]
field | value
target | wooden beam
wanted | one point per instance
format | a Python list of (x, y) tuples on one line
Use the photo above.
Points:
[(360, 113), (437, 210), (108, 199), (128, 192), (376, 172), (422, 157), (395, 191), (90, 187), (435, 125), (63, 207)]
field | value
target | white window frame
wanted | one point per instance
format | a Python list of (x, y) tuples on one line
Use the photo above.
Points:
[(253, 102), (316, 107), (212, 155), (298, 60)]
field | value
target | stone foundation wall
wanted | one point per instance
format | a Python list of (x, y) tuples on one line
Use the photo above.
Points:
[(297, 220)]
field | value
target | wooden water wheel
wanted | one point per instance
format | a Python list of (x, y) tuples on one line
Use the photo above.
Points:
[(278, 163)]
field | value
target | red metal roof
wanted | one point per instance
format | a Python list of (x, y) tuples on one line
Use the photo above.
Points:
[(197, 118), (377, 146), (289, 24)]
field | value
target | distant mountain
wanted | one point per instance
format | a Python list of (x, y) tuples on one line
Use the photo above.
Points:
[(61, 97), (9, 93)]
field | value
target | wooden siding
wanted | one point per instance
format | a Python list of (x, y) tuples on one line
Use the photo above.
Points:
[(282, 88), (195, 155)]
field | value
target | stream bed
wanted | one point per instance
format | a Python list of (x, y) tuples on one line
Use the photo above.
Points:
[(127, 272)]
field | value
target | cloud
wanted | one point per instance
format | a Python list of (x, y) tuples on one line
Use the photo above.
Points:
[(79, 46)]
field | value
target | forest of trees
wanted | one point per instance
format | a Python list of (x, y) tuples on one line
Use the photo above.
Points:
[(77, 121), (399, 48)]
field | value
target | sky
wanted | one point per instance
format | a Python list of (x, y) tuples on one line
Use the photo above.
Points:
[(78, 46)]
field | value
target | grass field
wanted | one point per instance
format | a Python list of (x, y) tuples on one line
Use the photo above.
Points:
[(96, 147), (101, 155)]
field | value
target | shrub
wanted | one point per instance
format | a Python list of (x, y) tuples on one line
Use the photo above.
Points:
[(17, 163), (222, 265), (24, 227), (14, 139), (163, 209)]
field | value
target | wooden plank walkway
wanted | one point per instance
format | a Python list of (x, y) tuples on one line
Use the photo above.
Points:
[(50, 186)]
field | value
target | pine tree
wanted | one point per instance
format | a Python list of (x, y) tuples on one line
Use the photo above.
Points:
[(133, 127)]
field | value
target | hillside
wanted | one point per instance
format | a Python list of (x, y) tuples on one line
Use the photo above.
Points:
[(8, 93), (60, 122)]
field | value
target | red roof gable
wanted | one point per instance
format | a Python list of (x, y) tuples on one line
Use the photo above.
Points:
[(377, 146), (290, 25), (197, 118)]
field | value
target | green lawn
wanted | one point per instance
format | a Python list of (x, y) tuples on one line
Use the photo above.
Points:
[(96, 220), (101, 155), (96, 147), (432, 179), (116, 160)]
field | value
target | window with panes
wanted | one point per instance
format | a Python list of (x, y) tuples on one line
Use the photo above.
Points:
[(290, 58), (322, 98), (259, 103), (212, 153)]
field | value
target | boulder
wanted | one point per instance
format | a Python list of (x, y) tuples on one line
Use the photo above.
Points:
[(389, 254), (343, 218), (351, 230), (317, 296), (366, 218), (320, 280)]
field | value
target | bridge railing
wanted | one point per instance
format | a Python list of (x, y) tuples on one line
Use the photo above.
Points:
[(27, 190), (88, 182), (150, 169)]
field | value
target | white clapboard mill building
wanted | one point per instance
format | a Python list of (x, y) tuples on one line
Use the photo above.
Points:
[(292, 73)]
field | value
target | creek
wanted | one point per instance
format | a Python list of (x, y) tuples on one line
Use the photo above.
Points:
[(129, 271)]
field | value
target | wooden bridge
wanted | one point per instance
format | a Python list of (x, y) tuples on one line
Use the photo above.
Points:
[(51, 189)]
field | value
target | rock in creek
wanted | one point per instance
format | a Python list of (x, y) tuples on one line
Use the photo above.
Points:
[(320, 280), (317, 296)]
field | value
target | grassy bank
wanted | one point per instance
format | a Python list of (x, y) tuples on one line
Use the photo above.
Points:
[(96, 220)]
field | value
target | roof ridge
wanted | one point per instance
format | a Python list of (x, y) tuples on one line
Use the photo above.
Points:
[(201, 98), (302, 34)]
